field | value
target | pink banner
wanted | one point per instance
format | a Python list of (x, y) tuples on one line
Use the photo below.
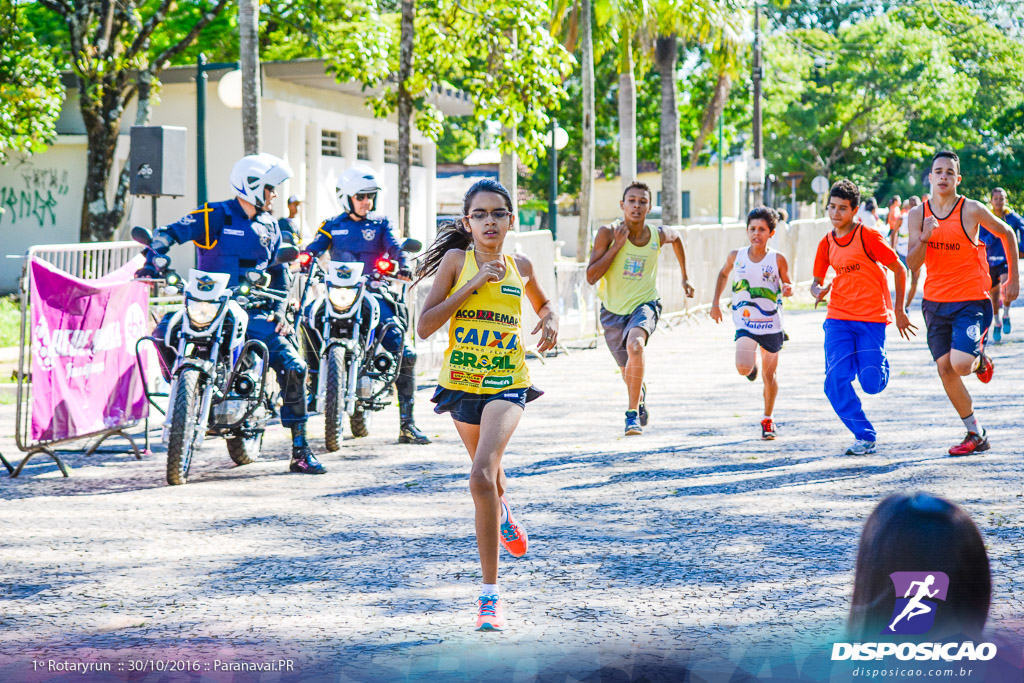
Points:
[(84, 376)]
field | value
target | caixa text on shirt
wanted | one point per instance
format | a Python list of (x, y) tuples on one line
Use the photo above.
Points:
[(948, 652)]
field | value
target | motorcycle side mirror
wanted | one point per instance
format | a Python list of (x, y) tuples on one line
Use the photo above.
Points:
[(253, 276), (142, 235), (286, 254), (161, 262), (411, 246)]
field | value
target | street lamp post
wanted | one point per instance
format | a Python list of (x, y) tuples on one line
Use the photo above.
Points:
[(202, 66), (557, 139)]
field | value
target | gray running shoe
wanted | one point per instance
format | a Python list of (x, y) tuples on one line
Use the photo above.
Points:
[(861, 447)]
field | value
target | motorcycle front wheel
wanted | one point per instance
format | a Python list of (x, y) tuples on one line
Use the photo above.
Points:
[(334, 400), (184, 429)]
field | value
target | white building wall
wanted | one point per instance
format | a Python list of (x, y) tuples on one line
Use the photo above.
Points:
[(293, 117)]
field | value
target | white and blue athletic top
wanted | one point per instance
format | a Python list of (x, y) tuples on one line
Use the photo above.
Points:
[(756, 293)]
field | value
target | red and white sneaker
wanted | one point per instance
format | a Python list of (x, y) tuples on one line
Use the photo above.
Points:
[(768, 429), (511, 534), (490, 614), (972, 443), (985, 369)]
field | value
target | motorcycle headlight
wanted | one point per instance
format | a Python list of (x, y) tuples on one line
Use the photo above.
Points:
[(341, 298), (201, 313)]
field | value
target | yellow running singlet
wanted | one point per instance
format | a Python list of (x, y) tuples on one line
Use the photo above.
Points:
[(485, 352)]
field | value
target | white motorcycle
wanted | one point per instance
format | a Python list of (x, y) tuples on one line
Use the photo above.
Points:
[(218, 379)]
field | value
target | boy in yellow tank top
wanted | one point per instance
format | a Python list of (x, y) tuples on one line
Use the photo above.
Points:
[(625, 261), (484, 381)]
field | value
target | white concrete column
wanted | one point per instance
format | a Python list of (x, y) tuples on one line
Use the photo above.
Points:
[(313, 210), (377, 152), (349, 147)]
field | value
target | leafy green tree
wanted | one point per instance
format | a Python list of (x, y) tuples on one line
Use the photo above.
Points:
[(497, 51), (110, 50), (30, 89)]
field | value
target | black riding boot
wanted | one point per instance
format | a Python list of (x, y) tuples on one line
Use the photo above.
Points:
[(303, 460), (408, 432)]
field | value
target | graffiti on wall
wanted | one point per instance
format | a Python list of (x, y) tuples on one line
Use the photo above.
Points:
[(34, 197)]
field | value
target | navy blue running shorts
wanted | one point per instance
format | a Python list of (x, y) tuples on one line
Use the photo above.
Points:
[(959, 325), (468, 408), (772, 343)]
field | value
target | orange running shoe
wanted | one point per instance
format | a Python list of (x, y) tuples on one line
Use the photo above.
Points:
[(490, 615), (511, 535), (985, 369), (972, 443)]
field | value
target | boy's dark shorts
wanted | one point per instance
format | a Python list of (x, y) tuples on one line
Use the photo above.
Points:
[(616, 327), (956, 325), (467, 407), (995, 271), (772, 343)]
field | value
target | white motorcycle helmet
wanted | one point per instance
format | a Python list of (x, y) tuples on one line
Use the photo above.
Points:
[(358, 180), (252, 174)]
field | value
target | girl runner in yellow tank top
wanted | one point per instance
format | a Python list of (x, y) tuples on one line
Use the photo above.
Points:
[(484, 381)]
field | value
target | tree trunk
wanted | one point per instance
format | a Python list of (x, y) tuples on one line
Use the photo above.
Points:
[(666, 55), (711, 113), (589, 139), (508, 174), (100, 219), (405, 112), (249, 62), (627, 113)]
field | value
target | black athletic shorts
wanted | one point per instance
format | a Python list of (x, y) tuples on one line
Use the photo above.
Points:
[(772, 343), (468, 408), (995, 271)]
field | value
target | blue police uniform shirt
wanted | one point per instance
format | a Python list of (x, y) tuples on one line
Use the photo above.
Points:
[(228, 241), (366, 240)]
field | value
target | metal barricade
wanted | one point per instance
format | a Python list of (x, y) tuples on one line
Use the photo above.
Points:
[(87, 261)]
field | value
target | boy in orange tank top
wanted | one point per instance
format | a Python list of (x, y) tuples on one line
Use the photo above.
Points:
[(858, 311), (957, 310)]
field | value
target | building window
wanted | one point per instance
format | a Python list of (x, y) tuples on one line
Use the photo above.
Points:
[(391, 151), (362, 147), (686, 204), (417, 155), (330, 143)]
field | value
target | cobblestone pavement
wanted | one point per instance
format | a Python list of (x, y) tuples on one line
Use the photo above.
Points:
[(696, 537)]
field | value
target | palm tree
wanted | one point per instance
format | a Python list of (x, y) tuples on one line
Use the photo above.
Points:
[(715, 25)]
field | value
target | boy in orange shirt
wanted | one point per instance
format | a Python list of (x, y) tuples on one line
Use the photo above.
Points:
[(858, 311)]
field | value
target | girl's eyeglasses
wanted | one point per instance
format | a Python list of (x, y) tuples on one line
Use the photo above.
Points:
[(497, 214)]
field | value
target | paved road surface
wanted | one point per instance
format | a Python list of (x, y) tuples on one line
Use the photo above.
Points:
[(696, 540)]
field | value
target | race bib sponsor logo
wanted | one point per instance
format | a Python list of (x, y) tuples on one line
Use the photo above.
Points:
[(509, 289), (488, 316), (497, 382), (488, 338), (464, 378), (472, 360), (633, 267)]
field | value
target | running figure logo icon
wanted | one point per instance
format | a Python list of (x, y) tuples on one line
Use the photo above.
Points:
[(914, 613)]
